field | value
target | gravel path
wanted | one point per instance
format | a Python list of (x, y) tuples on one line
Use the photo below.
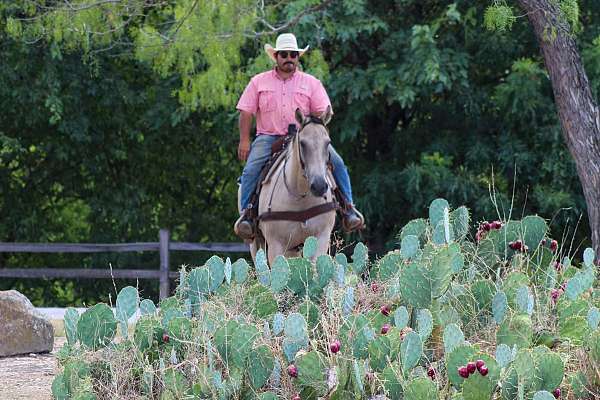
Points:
[(29, 376)]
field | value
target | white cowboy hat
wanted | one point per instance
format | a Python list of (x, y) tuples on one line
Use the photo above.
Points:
[(285, 41)]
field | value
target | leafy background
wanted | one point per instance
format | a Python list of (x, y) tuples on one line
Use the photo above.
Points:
[(108, 138)]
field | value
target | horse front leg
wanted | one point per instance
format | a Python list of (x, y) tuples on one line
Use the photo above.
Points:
[(275, 249), (322, 244)]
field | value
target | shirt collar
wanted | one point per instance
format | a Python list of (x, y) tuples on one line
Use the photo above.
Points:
[(276, 75)]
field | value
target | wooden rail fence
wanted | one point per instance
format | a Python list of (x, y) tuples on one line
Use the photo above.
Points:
[(163, 246)]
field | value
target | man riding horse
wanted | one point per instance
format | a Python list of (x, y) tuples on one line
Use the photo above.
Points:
[(273, 97)]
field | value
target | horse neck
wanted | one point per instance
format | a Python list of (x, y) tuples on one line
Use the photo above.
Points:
[(294, 173)]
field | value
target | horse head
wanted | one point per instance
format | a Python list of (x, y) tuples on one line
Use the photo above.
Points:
[(312, 143)]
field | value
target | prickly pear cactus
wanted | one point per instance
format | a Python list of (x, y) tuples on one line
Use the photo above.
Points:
[(96, 326), (359, 258), (421, 389), (517, 330), (260, 366), (71, 318), (411, 350), (262, 268), (453, 337), (312, 372), (280, 274), (477, 387), (301, 275), (309, 250), (415, 285), (549, 368), (325, 269), (128, 301), (147, 307)]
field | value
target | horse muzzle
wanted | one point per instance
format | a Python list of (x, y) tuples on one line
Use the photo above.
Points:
[(319, 186)]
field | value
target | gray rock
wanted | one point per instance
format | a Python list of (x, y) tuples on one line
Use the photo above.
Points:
[(23, 329)]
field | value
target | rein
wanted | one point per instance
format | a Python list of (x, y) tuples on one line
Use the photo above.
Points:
[(306, 214)]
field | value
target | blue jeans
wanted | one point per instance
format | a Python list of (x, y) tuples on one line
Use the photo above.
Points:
[(260, 152)]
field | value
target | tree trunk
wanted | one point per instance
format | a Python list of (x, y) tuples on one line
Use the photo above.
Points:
[(577, 109)]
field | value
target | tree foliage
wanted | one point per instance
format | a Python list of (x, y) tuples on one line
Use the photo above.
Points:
[(118, 117)]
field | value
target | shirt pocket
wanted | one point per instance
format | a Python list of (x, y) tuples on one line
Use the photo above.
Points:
[(302, 100), (266, 100)]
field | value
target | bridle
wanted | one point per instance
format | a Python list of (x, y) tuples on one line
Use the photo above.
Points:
[(314, 120), (302, 215)]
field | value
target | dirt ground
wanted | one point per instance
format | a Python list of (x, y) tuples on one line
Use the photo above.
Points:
[(29, 376)]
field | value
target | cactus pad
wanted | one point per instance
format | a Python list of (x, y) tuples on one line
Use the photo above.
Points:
[(424, 323), (477, 387), (96, 326), (409, 246), (325, 269), (516, 330), (415, 285), (411, 351), (262, 268), (421, 389), (453, 337), (310, 247), (280, 274), (499, 306), (71, 318), (239, 271), (260, 366), (301, 275), (360, 258), (311, 371)]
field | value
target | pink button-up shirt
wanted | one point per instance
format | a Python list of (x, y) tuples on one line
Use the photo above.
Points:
[(274, 101)]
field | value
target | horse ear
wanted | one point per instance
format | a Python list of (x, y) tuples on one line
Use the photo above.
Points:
[(300, 117), (326, 116)]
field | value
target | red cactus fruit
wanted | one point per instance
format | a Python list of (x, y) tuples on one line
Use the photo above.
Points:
[(385, 328), (483, 371), (292, 371), (471, 367), (374, 287), (463, 372), (165, 338), (385, 310), (516, 245), (553, 245), (556, 393), (557, 265), (479, 364), (431, 373), (496, 224), (335, 346), (486, 226)]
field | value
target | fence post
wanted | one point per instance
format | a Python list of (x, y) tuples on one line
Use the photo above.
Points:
[(164, 263)]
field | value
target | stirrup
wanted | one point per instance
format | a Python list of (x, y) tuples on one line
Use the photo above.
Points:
[(244, 227)]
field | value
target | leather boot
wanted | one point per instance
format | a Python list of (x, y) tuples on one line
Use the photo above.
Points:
[(353, 220), (244, 227)]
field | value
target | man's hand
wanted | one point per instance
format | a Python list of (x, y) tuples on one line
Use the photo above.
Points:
[(243, 150)]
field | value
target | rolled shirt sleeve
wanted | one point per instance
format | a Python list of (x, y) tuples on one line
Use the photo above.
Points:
[(249, 100), (319, 98)]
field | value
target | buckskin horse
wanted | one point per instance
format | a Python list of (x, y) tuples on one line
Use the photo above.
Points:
[(296, 199)]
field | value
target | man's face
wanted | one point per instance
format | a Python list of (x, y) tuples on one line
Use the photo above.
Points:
[(287, 60)]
